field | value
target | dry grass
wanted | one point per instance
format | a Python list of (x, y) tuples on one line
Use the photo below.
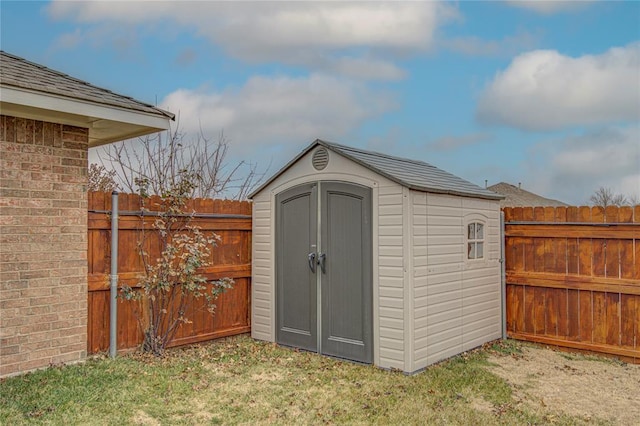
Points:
[(584, 386), (238, 380)]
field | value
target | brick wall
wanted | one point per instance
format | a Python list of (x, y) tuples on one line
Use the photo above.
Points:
[(43, 244)]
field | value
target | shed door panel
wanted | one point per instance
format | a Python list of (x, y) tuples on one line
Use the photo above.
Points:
[(346, 283), (342, 326), (296, 311)]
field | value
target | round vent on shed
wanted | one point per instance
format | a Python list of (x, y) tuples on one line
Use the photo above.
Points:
[(320, 159)]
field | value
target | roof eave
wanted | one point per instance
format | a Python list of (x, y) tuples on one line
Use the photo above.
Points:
[(107, 123), (497, 197)]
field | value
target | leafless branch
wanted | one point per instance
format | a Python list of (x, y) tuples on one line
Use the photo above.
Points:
[(605, 197), (153, 164)]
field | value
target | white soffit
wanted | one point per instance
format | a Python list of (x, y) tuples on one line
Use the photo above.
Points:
[(106, 123)]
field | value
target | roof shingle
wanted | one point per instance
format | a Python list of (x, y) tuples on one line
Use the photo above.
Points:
[(20, 73), (413, 174)]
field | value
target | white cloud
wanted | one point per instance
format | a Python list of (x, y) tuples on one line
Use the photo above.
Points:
[(300, 33), (548, 7), (278, 114), (545, 90), (571, 169)]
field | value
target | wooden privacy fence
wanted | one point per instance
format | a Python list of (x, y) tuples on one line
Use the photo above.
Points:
[(573, 277), (231, 220)]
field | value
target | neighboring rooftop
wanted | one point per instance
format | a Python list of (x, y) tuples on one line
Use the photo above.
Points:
[(515, 196), (413, 174), (34, 91)]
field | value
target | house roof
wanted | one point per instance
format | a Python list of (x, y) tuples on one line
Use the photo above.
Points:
[(35, 91), (413, 174), (515, 196)]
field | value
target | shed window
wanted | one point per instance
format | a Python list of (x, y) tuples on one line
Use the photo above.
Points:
[(475, 240)]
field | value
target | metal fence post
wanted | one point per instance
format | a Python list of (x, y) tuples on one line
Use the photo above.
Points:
[(503, 284), (113, 307)]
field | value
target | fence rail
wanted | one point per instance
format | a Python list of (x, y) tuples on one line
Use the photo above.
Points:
[(572, 274), (573, 277), (230, 220)]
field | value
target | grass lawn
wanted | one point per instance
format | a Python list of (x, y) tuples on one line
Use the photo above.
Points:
[(238, 380)]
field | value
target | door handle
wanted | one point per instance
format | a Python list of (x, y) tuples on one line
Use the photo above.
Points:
[(312, 262), (322, 258)]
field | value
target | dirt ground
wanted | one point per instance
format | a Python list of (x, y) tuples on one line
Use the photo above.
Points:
[(590, 387)]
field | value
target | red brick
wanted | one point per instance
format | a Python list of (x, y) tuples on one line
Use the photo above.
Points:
[(38, 211), (9, 276), (81, 344), (76, 129), (39, 330), (10, 184), (34, 346), (80, 331), (8, 220), (13, 285), (44, 282), (11, 317), (42, 354), (29, 127), (21, 131), (14, 303), (75, 204), (12, 360), (20, 266), (74, 162), (9, 294), (65, 324), (9, 341), (43, 201), (66, 307), (39, 273), (9, 350), (35, 220), (38, 133), (44, 300), (15, 193), (38, 310), (45, 176), (68, 358)]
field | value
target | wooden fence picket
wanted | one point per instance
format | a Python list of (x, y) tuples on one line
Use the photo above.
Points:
[(573, 277), (231, 258)]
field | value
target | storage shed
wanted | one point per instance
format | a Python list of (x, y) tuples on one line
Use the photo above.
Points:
[(374, 258)]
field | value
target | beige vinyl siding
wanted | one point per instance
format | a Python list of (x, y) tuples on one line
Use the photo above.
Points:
[(388, 279), (456, 301), (391, 277), (420, 275), (481, 279), (443, 307), (262, 287), (429, 301)]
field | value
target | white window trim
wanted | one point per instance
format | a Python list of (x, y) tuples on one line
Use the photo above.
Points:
[(483, 241)]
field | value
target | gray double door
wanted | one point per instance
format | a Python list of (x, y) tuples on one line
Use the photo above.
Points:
[(324, 269)]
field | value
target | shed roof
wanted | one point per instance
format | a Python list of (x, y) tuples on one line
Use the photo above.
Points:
[(414, 174), (30, 90)]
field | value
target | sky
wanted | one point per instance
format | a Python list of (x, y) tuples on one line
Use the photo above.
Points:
[(538, 92)]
